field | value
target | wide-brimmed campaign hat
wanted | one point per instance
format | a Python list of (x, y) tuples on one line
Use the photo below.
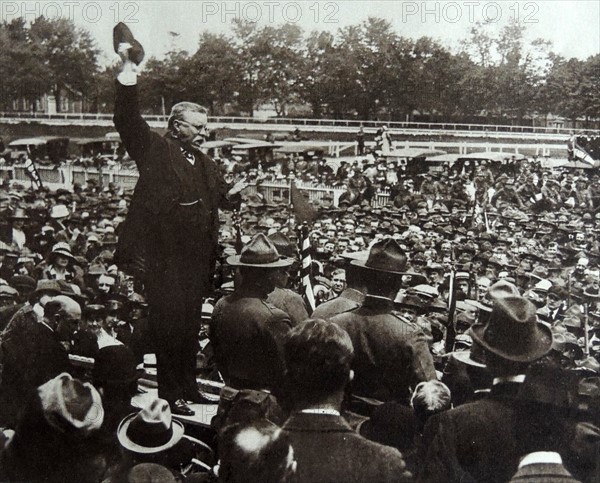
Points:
[(384, 256), (260, 252), (152, 430), (513, 332)]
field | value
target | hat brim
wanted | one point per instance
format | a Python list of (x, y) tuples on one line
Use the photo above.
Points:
[(122, 34), (136, 448), (63, 253), (465, 358), (542, 345), (235, 260), (363, 264)]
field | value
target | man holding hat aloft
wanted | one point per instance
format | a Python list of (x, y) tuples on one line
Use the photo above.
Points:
[(172, 223), (391, 353), (478, 441)]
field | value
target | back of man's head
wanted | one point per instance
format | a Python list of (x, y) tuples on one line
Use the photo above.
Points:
[(318, 355), (61, 304), (258, 453), (429, 398)]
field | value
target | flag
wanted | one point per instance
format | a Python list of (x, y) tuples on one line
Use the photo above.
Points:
[(451, 328), (305, 268), (304, 211), (577, 152), (32, 172)]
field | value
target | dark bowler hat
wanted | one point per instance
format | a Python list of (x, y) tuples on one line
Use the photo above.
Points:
[(259, 253), (122, 34), (513, 332), (384, 256)]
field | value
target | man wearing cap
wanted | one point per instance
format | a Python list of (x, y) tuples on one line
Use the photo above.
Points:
[(391, 353), (478, 441), (172, 223), (247, 332)]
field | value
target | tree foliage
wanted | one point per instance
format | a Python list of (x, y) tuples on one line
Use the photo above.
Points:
[(363, 71)]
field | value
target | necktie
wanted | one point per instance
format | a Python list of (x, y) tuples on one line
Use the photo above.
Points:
[(189, 156)]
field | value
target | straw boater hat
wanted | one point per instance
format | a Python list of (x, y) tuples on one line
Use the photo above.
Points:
[(513, 332), (152, 430), (260, 252), (19, 214)]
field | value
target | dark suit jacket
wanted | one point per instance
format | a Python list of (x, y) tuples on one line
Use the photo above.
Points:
[(473, 442), (543, 473), (348, 300), (247, 334), (328, 450), (178, 241), (390, 354), (30, 355)]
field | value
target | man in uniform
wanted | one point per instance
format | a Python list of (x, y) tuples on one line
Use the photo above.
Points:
[(391, 354), (246, 331)]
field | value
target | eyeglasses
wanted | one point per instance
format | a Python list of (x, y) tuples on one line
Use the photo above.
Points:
[(199, 129)]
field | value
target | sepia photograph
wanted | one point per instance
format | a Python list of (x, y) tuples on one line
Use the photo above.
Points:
[(300, 241)]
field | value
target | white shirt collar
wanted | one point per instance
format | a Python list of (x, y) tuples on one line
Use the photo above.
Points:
[(541, 457), (518, 378), (330, 412)]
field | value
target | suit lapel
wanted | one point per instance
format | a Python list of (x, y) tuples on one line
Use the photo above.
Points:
[(176, 157)]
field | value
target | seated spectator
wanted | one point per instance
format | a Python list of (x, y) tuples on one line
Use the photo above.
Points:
[(260, 453), (318, 356)]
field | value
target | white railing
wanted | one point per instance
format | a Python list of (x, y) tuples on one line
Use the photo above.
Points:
[(369, 126), (66, 176)]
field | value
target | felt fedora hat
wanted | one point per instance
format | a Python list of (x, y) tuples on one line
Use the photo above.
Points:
[(71, 405), (121, 35), (384, 256), (513, 332), (152, 430), (260, 252)]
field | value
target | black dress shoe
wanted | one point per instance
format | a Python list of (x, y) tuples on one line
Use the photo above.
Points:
[(181, 408), (199, 398)]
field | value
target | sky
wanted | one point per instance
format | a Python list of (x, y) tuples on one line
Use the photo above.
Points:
[(572, 26)]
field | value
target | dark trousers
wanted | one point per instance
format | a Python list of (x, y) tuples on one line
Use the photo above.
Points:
[(175, 336)]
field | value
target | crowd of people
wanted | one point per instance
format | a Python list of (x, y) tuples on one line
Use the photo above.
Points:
[(450, 335), (421, 288)]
